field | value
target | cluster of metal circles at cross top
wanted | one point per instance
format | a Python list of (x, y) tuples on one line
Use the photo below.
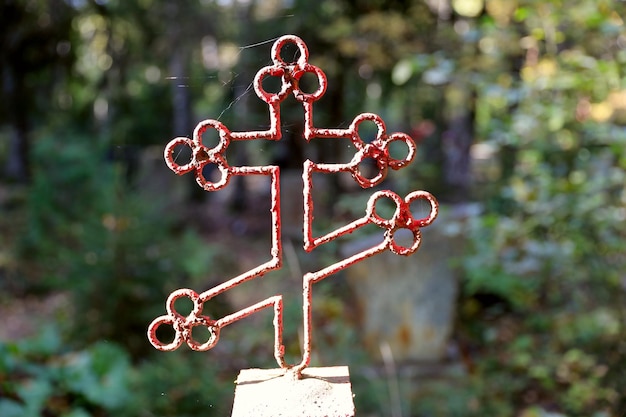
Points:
[(290, 74)]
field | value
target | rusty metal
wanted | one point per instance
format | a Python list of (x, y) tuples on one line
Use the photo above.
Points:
[(290, 74)]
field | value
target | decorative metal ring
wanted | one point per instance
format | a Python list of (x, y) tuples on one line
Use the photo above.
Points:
[(434, 208), (369, 152), (321, 80), (181, 293), (222, 130), (371, 213), (285, 86), (154, 341), (282, 41), (168, 154), (212, 341), (403, 250), (219, 161), (400, 163), (354, 127)]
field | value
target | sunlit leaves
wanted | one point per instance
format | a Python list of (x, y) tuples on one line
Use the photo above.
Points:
[(468, 8)]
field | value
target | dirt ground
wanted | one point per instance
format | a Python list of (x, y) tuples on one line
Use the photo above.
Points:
[(24, 318)]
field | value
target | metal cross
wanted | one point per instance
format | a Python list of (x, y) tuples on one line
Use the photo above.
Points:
[(290, 74)]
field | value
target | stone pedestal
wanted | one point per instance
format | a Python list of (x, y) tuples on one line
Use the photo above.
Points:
[(321, 392)]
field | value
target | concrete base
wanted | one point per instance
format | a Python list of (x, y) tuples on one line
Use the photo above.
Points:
[(321, 392)]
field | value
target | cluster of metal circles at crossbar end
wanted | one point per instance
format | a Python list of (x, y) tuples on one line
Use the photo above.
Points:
[(201, 155), (378, 150), (184, 325), (402, 218)]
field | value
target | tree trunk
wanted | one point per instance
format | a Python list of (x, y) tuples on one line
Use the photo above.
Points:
[(180, 92), (17, 166), (457, 141)]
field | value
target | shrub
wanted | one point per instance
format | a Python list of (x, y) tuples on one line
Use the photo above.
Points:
[(118, 251)]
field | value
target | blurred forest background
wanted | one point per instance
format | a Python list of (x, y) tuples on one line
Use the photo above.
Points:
[(517, 106)]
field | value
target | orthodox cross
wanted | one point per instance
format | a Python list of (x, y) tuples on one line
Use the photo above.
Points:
[(378, 150)]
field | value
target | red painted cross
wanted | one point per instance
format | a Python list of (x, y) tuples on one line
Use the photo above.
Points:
[(290, 74)]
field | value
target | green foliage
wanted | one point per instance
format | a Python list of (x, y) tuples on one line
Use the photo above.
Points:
[(182, 384), (39, 378), (117, 250), (549, 248), (556, 258)]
